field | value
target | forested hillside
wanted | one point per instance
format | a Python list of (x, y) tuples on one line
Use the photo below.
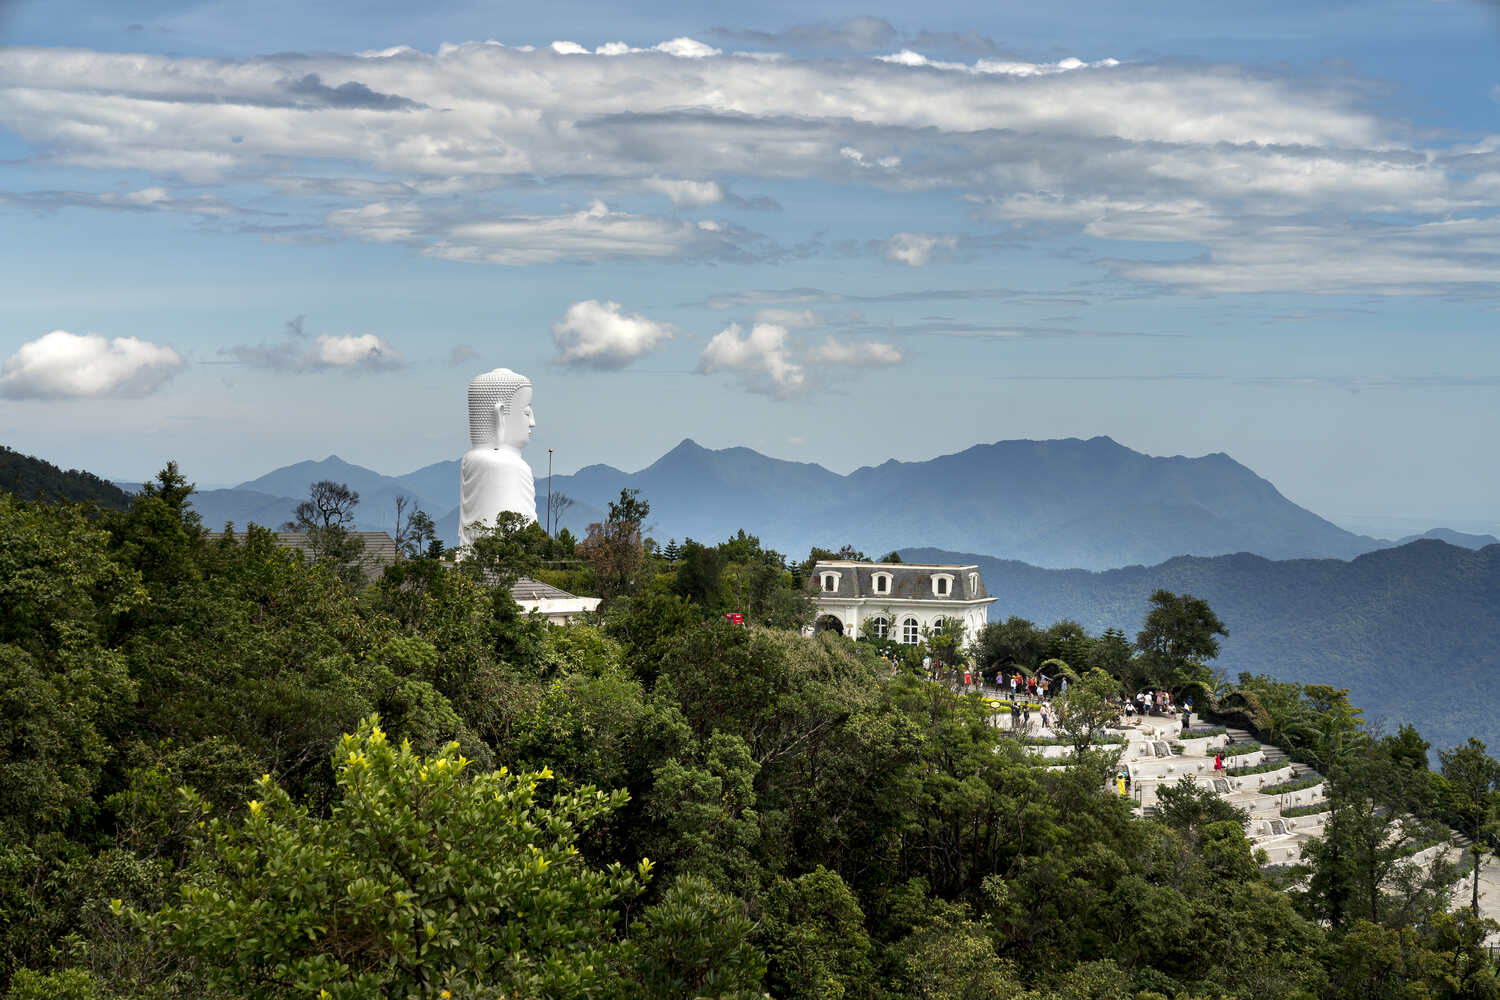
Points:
[(30, 478), (1413, 632), (227, 773)]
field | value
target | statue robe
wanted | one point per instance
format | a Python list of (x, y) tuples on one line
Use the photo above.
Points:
[(492, 480)]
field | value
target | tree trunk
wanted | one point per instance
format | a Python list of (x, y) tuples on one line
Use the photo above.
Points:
[(1475, 904)]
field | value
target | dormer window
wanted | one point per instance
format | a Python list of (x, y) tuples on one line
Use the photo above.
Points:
[(881, 582), (830, 582), (942, 585), (974, 584)]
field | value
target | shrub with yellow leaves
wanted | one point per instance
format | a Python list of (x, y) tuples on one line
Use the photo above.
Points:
[(423, 881)]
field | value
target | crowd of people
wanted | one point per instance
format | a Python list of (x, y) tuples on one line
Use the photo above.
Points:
[(1030, 695)]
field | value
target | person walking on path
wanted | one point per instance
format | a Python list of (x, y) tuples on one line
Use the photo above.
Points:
[(1218, 762)]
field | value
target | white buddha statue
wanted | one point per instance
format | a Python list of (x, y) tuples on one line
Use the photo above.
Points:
[(493, 476)]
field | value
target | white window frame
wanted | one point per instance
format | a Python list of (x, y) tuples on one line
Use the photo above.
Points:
[(947, 579), (828, 576), (973, 584), (881, 582), (880, 625), (910, 632)]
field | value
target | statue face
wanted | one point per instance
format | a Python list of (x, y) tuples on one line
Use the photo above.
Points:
[(515, 426)]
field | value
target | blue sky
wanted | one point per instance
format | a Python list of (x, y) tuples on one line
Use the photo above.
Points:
[(240, 235)]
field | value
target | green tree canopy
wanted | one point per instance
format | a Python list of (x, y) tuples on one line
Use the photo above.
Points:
[(1179, 637), (422, 881)]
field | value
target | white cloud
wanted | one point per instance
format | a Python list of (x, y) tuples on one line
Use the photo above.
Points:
[(593, 334), (354, 351), (792, 319), (759, 359), (152, 199), (769, 362), (351, 353), (589, 234), (857, 354), (915, 249), (686, 194), (687, 48), (1004, 67), (63, 365)]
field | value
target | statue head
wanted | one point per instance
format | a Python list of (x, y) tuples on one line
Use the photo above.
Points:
[(500, 409)]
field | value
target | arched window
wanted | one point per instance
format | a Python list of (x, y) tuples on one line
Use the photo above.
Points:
[(880, 627), (909, 631), (938, 623), (881, 582)]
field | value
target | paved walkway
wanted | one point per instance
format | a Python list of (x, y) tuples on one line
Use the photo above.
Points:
[(1155, 753)]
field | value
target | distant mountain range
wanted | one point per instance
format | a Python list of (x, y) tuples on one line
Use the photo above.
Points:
[(1412, 631), (1412, 628), (1092, 504)]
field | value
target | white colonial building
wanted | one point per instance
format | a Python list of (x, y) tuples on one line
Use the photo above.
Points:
[(901, 601)]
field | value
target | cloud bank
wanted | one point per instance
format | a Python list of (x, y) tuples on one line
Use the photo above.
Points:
[(1197, 177), (63, 365)]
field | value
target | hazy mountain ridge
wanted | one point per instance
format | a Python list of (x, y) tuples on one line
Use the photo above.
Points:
[(1058, 503), (1460, 538), (1063, 503), (1413, 631)]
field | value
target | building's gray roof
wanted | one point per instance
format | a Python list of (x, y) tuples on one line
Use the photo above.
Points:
[(527, 589), (909, 581), (379, 551)]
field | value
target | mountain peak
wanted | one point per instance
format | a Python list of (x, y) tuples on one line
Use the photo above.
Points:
[(687, 446)]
